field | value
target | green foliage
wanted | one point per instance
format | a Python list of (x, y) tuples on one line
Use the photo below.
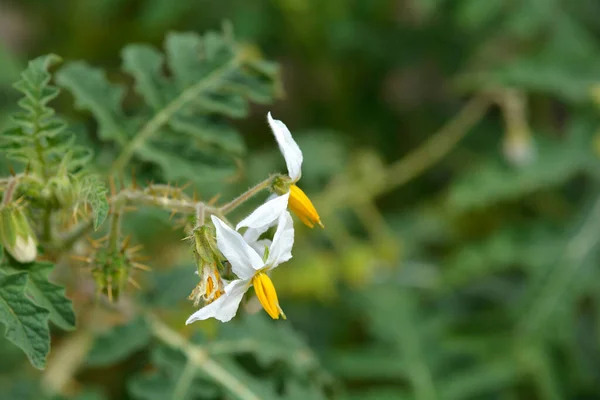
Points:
[(118, 343), (445, 271), (32, 300), (192, 372), (49, 295), (39, 138), (181, 126), (26, 323), (494, 181)]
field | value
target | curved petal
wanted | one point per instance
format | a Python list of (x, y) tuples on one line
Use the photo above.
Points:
[(265, 215), (226, 306), (283, 241), (244, 260), (289, 148)]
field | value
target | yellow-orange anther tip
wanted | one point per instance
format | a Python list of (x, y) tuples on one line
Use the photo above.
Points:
[(265, 292), (301, 205)]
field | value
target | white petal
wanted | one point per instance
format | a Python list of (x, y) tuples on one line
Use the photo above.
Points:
[(244, 260), (226, 306), (283, 241), (265, 215), (289, 148)]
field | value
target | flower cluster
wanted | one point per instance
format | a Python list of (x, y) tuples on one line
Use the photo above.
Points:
[(246, 256)]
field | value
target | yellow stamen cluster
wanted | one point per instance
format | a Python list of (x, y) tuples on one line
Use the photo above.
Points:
[(265, 291), (301, 205)]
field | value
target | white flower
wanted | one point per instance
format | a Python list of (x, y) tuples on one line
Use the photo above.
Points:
[(251, 270), (291, 196)]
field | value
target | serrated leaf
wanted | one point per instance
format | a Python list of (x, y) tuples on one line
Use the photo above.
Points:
[(39, 137), (93, 92), (50, 296), (26, 323), (95, 194), (182, 127), (118, 343)]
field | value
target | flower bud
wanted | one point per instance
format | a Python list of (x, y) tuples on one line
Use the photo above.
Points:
[(16, 235), (210, 286), (519, 148)]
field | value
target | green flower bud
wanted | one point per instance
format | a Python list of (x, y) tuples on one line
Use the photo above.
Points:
[(16, 235)]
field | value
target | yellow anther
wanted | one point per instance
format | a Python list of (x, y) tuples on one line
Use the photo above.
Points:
[(265, 291), (301, 205)]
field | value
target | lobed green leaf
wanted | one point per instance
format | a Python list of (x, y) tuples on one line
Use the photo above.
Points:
[(26, 323)]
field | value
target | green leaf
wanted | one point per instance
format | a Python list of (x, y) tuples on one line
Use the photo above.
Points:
[(95, 194), (93, 92), (182, 125), (118, 343), (49, 295), (26, 323), (38, 137)]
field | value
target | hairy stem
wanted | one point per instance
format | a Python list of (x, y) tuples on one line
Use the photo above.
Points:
[(247, 195), (115, 228), (161, 118)]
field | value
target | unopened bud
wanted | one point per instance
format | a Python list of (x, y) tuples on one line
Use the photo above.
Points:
[(519, 148), (205, 246), (16, 235), (208, 257)]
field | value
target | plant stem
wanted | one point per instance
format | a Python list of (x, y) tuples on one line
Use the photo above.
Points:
[(199, 358), (161, 118), (248, 194), (410, 166), (115, 228), (200, 214)]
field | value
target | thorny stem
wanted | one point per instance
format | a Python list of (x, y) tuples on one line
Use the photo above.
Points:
[(161, 118), (253, 191), (115, 228), (199, 358), (200, 214)]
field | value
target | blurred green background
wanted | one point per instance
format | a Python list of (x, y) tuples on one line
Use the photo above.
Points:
[(451, 148)]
